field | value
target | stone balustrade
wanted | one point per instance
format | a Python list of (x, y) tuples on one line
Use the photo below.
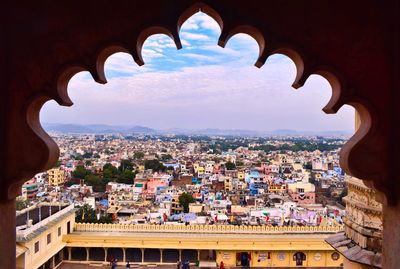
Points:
[(222, 229)]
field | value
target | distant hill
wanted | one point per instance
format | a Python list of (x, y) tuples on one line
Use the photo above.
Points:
[(96, 128), (290, 132), (125, 129)]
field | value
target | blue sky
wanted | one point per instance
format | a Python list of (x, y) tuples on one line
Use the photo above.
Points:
[(200, 86)]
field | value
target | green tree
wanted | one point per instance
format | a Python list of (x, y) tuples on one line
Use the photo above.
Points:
[(80, 172), (155, 165), (126, 177), (230, 165), (98, 184), (125, 165), (87, 155), (106, 218), (138, 155), (166, 157), (109, 171), (85, 214), (239, 163), (184, 200)]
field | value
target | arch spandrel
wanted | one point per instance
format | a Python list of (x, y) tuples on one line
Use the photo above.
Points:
[(43, 49)]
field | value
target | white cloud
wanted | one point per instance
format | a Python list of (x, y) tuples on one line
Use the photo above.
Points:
[(200, 57), (151, 53), (204, 96), (220, 50), (195, 36), (205, 22), (201, 20), (190, 24)]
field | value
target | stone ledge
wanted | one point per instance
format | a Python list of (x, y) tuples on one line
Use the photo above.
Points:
[(353, 252)]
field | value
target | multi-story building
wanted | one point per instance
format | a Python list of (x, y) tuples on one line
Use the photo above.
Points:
[(40, 232), (30, 189), (56, 176), (176, 208), (302, 192), (277, 188)]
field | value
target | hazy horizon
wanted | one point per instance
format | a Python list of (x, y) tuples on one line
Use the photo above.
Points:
[(200, 86), (47, 125)]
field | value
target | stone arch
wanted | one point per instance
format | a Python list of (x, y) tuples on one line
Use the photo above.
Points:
[(299, 258), (197, 7), (268, 45), (31, 75)]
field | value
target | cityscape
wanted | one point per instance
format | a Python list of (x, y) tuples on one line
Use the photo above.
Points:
[(279, 185)]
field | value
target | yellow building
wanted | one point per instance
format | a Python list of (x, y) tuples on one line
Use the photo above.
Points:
[(201, 170), (196, 167), (263, 246), (277, 188), (141, 168), (196, 208), (228, 184), (176, 207), (56, 176)]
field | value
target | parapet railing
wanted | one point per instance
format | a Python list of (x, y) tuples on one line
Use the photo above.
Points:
[(45, 221), (223, 229)]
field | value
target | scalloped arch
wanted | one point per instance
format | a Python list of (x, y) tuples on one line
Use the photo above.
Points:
[(149, 31), (252, 31), (268, 45), (199, 7)]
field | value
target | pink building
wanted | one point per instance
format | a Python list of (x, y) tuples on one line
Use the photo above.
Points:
[(302, 192), (154, 183)]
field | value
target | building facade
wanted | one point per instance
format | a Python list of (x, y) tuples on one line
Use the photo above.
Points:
[(56, 176), (40, 239)]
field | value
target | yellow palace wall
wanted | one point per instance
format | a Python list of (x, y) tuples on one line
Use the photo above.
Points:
[(282, 258)]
